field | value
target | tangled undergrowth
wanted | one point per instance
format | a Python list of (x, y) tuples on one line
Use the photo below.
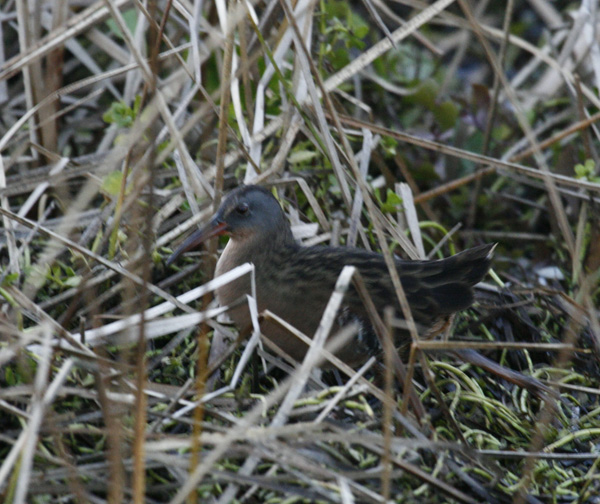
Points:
[(462, 123)]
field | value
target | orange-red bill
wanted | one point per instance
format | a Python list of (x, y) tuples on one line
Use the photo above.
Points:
[(214, 228)]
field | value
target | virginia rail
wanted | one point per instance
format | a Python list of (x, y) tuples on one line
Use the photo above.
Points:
[(295, 282)]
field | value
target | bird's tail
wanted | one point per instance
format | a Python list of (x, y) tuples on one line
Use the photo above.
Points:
[(450, 281), (471, 265)]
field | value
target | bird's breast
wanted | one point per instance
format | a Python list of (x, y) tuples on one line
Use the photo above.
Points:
[(231, 292), (280, 289)]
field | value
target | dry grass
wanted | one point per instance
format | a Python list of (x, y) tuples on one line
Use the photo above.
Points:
[(123, 123)]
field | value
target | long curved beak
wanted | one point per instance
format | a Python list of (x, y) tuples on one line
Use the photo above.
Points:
[(215, 227)]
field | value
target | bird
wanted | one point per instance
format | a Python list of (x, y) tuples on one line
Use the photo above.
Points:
[(295, 282)]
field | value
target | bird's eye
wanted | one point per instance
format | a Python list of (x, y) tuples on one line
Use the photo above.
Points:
[(242, 208)]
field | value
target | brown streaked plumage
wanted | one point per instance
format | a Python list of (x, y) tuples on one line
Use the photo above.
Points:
[(295, 282)]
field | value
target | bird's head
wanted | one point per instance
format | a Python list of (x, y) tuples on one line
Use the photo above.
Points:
[(248, 214)]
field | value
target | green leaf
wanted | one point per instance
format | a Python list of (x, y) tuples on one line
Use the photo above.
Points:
[(446, 114), (426, 94), (301, 156), (501, 132), (73, 281), (11, 301), (389, 145), (130, 18), (392, 202), (9, 377), (586, 171), (111, 184), (361, 30), (10, 279), (120, 114)]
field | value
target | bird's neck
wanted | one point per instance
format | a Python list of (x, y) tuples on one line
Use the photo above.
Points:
[(258, 250)]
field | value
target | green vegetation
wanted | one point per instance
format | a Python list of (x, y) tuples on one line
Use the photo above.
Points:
[(133, 121)]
